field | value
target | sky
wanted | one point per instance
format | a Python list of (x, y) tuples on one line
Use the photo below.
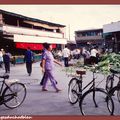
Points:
[(75, 17)]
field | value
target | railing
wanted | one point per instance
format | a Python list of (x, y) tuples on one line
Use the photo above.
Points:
[(28, 31), (89, 38)]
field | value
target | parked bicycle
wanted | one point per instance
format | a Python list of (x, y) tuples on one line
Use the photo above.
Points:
[(110, 87), (12, 92), (93, 101)]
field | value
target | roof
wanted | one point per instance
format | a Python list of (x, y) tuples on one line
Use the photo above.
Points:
[(88, 30), (30, 19)]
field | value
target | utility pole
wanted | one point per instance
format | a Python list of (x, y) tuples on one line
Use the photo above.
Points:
[(69, 32)]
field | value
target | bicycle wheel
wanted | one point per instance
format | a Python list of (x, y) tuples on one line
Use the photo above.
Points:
[(109, 83), (73, 89), (118, 91), (95, 103), (14, 95), (115, 93), (118, 95)]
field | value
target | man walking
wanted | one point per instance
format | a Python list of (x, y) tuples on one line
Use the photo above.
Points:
[(66, 54), (29, 59), (94, 58), (1, 59)]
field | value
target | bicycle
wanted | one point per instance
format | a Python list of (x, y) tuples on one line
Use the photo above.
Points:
[(97, 95), (12, 92), (110, 88)]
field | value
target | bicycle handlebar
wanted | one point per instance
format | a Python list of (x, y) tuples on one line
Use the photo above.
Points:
[(4, 76), (115, 71)]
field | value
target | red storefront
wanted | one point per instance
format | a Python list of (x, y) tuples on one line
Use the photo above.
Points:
[(32, 46)]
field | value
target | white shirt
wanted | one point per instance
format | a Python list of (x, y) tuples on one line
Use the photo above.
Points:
[(94, 52), (66, 52), (1, 56)]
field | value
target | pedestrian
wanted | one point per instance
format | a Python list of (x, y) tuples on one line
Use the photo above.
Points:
[(66, 55), (93, 56), (48, 67), (59, 55), (87, 58), (77, 53), (41, 82), (29, 58), (1, 59), (6, 60)]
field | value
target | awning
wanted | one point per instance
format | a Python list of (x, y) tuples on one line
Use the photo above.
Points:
[(32, 46), (39, 39)]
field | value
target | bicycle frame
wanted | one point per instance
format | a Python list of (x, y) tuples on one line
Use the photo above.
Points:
[(2, 90), (3, 84), (9, 92), (118, 84), (92, 83), (115, 75), (79, 93)]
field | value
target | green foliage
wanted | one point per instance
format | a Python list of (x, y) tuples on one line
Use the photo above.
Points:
[(108, 61)]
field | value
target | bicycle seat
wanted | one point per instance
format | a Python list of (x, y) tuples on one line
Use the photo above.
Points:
[(115, 71), (81, 72), (4, 76)]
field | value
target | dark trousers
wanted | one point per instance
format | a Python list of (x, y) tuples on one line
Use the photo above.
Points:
[(66, 61), (41, 83), (7, 67), (93, 60), (1, 64), (29, 67), (87, 61)]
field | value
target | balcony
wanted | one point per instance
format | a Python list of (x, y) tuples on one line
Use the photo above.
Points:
[(30, 32)]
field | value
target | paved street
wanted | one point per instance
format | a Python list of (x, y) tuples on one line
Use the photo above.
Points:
[(38, 102)]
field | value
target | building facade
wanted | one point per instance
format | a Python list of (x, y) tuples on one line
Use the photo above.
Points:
[(89, 38), (111, 34), (17, 32)]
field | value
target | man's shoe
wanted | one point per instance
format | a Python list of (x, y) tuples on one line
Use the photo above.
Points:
[(29, 74)]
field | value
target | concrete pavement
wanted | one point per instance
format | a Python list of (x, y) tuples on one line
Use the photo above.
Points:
[(38, 102)]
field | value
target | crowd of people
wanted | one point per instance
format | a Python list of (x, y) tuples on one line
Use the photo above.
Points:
[(91, 56), (49, 58)]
